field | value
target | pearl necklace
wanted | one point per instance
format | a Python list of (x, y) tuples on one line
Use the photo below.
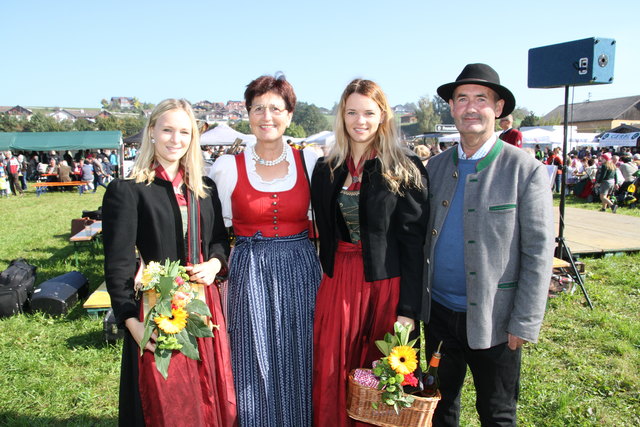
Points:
[(259, 160)]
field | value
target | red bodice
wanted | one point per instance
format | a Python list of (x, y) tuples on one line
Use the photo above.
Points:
[(274, 214)]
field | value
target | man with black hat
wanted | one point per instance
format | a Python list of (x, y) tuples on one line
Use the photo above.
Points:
[(490, 252)]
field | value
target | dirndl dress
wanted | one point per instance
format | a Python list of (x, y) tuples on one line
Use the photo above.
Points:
[(274, 273), (351, 314)]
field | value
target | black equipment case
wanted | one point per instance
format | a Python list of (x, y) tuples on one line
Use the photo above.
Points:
[(56, 296), (16, 287)]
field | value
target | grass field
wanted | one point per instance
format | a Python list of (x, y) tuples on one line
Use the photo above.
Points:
[(58, 371), (577, 202)]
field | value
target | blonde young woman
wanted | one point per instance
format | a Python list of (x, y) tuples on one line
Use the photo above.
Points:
[(370, 199), (154, 212)]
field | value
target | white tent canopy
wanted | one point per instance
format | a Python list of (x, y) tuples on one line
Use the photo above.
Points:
[(325, 137), (224, 135), (553, 136)]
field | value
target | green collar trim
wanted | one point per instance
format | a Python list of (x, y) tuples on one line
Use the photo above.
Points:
[(491, 155), (486, 160)]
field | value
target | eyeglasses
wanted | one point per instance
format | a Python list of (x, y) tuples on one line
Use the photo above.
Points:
[(260, 110)]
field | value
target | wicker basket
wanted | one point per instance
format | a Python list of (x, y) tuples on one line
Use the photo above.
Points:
[(359, 399)]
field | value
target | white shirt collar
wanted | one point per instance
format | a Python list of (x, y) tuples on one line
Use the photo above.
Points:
[(482, 151)]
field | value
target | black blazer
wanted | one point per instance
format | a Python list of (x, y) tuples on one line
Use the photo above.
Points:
[(148, 217), (392, 228)]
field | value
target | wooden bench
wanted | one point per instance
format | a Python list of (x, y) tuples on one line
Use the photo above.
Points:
[(98, 302), (41, 187), (90, 234)]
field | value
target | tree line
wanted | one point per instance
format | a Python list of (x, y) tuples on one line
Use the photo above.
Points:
[(307, 120), (40, 122)]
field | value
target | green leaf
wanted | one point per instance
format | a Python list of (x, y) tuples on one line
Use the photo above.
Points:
[(164, 308), (189, 345), (148, 330), (197, 327), (374, 405), (199, 307), (172, 268), (163, 357), (384, 346), (165, 286)]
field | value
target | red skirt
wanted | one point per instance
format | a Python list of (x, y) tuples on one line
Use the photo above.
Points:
[(351, 314), (195, 393)]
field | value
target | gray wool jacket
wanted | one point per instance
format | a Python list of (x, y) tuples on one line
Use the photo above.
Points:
[(508, 241)]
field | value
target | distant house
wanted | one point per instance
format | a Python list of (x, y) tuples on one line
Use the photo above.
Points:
[(73, 115), (408, 118), (103, 114), (596, 116), (235, 105), (122, 102), (17, 111), (236, 115), (400, 109)]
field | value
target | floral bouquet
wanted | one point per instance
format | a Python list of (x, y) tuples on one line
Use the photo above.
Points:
[(397, 368), (177, 312)]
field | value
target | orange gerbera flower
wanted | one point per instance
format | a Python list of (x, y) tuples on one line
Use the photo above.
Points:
[(173, 324)]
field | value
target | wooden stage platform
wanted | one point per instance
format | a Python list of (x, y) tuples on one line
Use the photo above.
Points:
[(593, 233)]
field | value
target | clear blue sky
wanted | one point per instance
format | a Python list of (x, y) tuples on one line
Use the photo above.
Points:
[(75, 53)]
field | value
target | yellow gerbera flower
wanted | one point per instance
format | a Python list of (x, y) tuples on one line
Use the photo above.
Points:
[(403, 359), (175, 323)]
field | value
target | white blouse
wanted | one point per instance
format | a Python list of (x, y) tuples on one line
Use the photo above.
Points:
[(225, 174)]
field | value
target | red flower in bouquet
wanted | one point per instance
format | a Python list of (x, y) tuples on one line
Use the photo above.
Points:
[(410, 379)]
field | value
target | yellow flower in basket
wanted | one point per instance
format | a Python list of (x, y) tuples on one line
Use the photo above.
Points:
[(403, 359)]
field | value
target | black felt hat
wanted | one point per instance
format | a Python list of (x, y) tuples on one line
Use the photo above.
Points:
[(484, 75)]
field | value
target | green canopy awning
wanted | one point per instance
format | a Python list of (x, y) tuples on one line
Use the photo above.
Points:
[(47, 141)]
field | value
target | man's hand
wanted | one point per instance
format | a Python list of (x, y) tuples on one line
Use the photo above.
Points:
[(515, 342)]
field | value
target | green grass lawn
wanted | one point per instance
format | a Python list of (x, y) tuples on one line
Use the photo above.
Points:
[(55, 370), (577, 202), (59, 371)]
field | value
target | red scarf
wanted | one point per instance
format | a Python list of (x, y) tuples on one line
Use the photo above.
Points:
[(175, 182), (355, 172)]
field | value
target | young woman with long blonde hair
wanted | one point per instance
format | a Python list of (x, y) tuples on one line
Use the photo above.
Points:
[(370, 199), (165, 204)]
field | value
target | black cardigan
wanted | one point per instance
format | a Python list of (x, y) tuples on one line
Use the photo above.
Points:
[(392, 228), (148, 217)]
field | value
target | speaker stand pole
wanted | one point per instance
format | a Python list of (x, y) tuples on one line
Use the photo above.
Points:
[(563, 251)]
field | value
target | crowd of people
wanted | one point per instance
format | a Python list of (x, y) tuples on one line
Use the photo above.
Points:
[(602, 174), (93, 168)]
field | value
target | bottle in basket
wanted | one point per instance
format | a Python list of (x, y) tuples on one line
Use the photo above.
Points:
[(430, 381)]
